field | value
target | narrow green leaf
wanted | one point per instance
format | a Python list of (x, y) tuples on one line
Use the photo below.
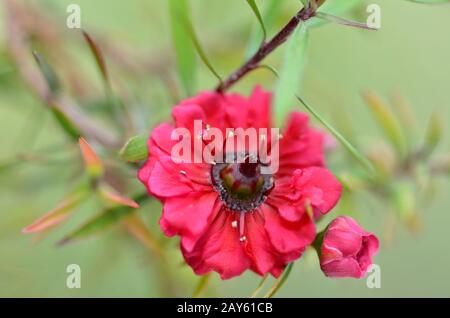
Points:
[(57, 215), (66, 123), (116, 104), (344, 142), (104, 220), (269, 17), (342, 21), (387, 121), (269, 68), (434, 133), (334, 7), (405, 114), (100, 60), (347, 145), (138, 228), (183, 46), (54, 88), (255, 10), (135, 149), (198, 47), (403, 198), (48, 73), (92, 162), (289, 80), (111, 195)]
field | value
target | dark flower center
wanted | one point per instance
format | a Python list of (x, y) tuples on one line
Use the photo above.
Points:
[(241, 186)]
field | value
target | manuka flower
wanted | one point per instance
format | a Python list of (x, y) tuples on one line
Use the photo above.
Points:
[(234, 216)]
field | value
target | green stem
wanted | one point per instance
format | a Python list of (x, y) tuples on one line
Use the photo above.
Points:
[(259, 287), (280, 281), (201, 286)]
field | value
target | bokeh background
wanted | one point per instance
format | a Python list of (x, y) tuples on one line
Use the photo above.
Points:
[(39, 164)]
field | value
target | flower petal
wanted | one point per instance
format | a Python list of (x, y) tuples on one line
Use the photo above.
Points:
[(369, 248), (166, 182), (184, 117), (347, 242), (347, 267), (301, 146), (257, 246), (213, 105), (189, 216), (219, 249), (319, 187), (288, 237)]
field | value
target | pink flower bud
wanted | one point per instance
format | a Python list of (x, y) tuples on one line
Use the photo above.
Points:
[(347, 249)]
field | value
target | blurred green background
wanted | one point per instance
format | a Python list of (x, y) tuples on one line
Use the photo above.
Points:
[(408, 55)]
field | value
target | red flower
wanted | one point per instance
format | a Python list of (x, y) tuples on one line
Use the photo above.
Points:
[(347, 249), (230, 217)]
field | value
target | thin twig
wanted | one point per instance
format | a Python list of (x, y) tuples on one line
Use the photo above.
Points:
[(266, 48), (21, 54)]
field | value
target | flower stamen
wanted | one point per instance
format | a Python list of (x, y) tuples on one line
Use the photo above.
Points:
[(241, 185)]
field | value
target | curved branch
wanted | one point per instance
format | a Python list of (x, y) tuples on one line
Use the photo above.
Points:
[(306, 13)]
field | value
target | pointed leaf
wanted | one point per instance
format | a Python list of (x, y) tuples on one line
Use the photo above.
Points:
[(57, 215), (183, 45), (102, 221), (334, 7), (255, 10), (135, 149), (48, 73), (290, 74), (54, 88), (65, 123), (387, 121), (92, 162), (405, 114), (344, 142), (137, 228), (347, 145), (404, 199), (98, 56), (269, 17), (198, 47), (338, 20), (113, 196), (434, 133)]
